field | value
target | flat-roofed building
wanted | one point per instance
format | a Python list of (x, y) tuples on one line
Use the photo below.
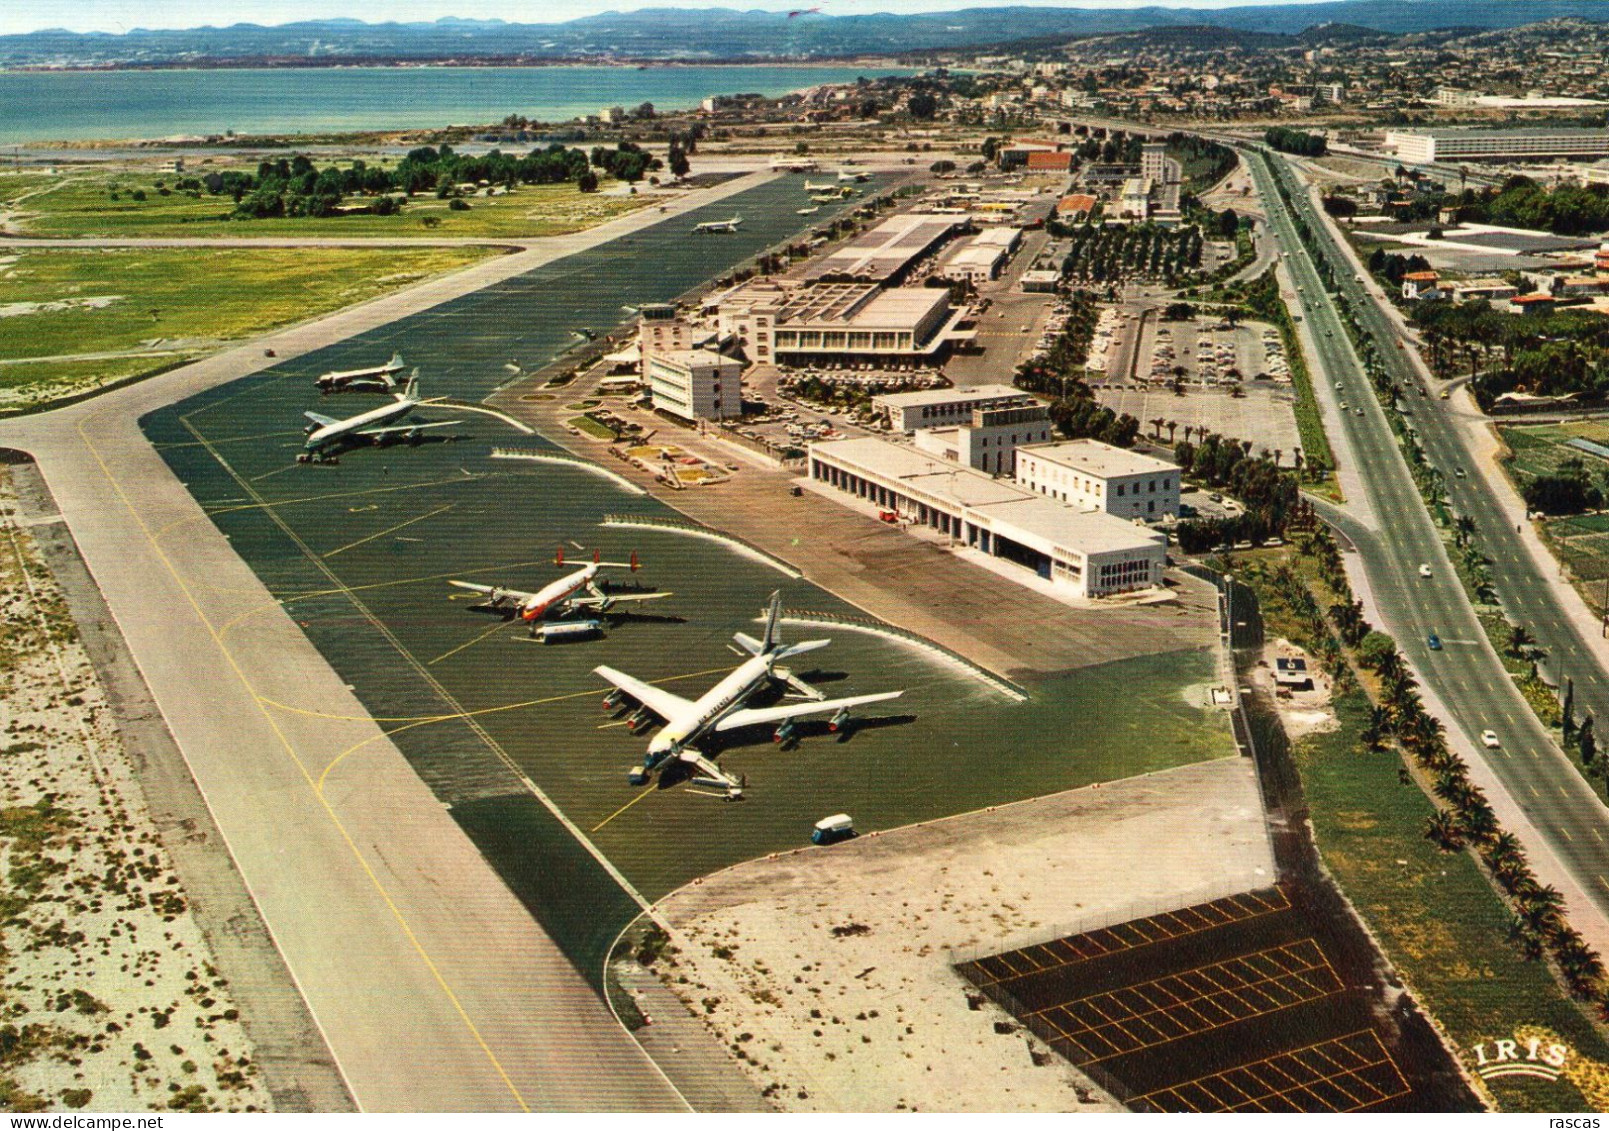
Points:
[(660, 329), (695, 384), (947, 408), (1091, 475), (1426, 146), (981, 257), (885, 253), (829, 323), (1088, 553), (989, 440)]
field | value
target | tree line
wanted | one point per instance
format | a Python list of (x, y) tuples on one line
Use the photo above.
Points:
[(1299, 142), (294, 186)]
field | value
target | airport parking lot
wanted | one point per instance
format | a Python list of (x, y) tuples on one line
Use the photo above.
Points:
[(1249, 1002)]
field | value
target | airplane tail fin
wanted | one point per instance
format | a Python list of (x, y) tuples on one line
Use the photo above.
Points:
[(396, 360), (558, 557), (410, 391), (635, 564), (773, 637)]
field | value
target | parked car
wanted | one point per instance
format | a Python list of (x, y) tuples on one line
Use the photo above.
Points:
[(1489, 740), (1424, 569), (1434, 641)]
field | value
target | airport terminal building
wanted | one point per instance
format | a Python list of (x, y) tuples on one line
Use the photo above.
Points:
[(784, 323), (1089, 553), (1427, 146)]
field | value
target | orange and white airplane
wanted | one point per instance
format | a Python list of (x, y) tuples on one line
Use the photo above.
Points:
[(572, 592)]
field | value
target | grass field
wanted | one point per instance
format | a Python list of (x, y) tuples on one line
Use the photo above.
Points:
[(83, 205), (82, 319), (1577, 540)]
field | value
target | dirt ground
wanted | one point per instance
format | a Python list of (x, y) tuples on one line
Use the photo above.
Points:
[(830, 972), (107, 978)]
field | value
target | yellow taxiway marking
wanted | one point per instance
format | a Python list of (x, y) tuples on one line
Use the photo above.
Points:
[(1604, 882), (290, 750), (1598, 835), (270, 504), (271, 474), (1566, 833), (387, 530), (611, 726), (622, 809), (476, 639)]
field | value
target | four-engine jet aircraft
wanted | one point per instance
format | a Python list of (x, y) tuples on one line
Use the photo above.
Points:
[(718, 225), (721, 708), (381, 375), (374, 427)]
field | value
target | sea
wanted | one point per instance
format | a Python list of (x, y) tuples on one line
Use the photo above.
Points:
[(41, 106)]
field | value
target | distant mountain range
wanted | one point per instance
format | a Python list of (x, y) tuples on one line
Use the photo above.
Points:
[(726, 34)]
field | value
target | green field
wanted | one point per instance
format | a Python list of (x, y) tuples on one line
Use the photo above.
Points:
[(1576, 540), (73, 320), (83, 205)]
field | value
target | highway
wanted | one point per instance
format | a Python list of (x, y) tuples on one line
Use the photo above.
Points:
[(1565, 816)]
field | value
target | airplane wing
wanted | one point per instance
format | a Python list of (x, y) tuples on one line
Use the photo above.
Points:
[(657, 700), (494, 590), (747, 643), (395, 429), (590, 602), (754, 716), (320, 419)]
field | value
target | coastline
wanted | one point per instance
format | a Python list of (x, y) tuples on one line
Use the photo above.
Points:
[(343, 99)]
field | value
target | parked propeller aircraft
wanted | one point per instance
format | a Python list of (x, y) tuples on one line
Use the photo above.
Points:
[(709, 226), (721, 708), (382, 375), (572, 592), (811, 186), (374, 427), (845, 176)]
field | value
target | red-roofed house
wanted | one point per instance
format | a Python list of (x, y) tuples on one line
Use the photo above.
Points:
[(1075, 207), (1420, 285), (1040, 161), (1537, 303)]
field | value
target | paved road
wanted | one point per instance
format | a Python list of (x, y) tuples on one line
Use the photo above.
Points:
[(1556, 812), (432, 985)]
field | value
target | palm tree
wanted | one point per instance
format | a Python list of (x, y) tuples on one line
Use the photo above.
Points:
[(1443, 830), (1156, 423), (1519, 639), (1526, 940)]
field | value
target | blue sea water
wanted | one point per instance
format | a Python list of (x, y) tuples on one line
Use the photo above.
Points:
[(77, 105)]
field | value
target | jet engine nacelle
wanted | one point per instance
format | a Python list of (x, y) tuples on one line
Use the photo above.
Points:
[(784, 732), (839, 720), (612, 700)]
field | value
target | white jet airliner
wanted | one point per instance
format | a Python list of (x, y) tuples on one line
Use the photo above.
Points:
[(374, 426), (718, 225), (378, 375), (721, 708), (562, 597)]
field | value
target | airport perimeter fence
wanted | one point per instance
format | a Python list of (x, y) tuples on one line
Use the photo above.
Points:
[(689, 527), (867, 624)]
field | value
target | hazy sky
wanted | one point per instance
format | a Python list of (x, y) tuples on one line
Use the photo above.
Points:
[(121, 15)]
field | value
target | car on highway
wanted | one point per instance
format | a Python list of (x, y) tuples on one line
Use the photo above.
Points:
[(1489, 740), (1343, 406), (1424, 569), (1434, 642), (1359, 411), (1445, 394), (1338, 386), (1460, 472)]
